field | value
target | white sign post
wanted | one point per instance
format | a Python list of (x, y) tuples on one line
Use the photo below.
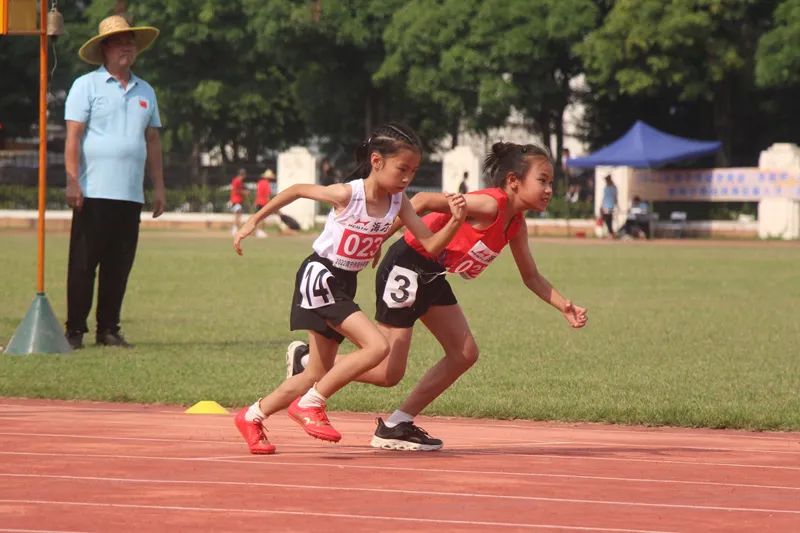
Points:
[(297, 165), (779, 217), (455, 163)]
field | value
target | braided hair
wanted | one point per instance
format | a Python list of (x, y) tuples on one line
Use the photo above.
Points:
[(387, 140), (514, 158)]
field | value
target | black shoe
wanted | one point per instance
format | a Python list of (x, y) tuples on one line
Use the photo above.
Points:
[(75, 339), (294, 358), (112, 339), (404, 436)]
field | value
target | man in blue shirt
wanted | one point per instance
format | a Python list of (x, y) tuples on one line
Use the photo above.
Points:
[(112, 135), (609, 204)]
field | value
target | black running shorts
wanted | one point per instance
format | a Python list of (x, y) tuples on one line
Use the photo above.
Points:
[(407, 285), (323, 295)]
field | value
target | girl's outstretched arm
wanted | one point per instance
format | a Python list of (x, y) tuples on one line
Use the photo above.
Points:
[(575, 315), (337, 194), (479, 206), (434, 243)]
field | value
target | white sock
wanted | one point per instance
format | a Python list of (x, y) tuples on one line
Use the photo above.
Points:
[(254, 412), (398, 417), (312, 399), (304, 361)]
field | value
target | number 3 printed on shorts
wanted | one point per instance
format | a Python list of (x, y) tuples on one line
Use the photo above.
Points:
[(314, 289), (401, 288)]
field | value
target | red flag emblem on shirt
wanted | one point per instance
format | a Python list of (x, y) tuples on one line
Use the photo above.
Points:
[(143, 103)]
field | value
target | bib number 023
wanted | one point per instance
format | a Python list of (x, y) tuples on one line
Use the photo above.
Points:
[(356, 245)]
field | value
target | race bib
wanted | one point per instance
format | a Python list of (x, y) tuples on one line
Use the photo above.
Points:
[(475, 261), (359, 246), (315, 290), (401, 288)]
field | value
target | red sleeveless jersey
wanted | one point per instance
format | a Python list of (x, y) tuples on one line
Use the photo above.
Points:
[(471, 250)]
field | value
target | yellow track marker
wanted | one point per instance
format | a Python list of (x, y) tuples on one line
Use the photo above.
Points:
[(206, 407)]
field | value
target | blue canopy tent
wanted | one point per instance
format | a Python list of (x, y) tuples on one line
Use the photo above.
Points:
[(643, 146)]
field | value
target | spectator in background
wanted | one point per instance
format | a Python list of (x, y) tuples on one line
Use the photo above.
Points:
[(637, 224), (263, 194), (268, 188), (238, 195), (463, 188), (609, 204), (112, 135), (573, 193), (571, 181), (328, 175)]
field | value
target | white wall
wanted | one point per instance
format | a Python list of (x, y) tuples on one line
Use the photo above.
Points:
[(298, 165), (780, 217)]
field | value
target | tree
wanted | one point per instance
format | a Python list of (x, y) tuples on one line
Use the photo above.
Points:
[(528, 49), (19, 83), (329, 51), (778, 55), (213, 89), (428, 55), (701, 50)]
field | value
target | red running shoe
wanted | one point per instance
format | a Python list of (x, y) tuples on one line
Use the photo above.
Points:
[(253, 434), (314, 421)]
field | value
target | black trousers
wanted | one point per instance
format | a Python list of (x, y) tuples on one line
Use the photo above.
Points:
[(104, 234)]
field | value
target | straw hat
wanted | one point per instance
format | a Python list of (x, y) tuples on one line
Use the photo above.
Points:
[(269, 174), (144, 36)]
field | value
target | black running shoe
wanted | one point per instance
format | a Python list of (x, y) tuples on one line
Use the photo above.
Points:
[(75, 339), (404, 436), (294, 357)]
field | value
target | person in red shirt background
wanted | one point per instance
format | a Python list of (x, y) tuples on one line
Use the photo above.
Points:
[(263, 193), (266, 188), (238, 194)]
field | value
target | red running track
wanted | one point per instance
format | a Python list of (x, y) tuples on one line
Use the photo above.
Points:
[(70, 466)]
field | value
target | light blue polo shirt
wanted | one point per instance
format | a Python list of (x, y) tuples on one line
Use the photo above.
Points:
[(609, 197), (113, 148)]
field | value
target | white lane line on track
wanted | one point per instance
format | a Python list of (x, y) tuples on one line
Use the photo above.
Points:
[(482, 423), (39, 531), (637, 460), (581, 443), (338, 487), (258, 461), (182, 441), (330, 515), (360, 449)]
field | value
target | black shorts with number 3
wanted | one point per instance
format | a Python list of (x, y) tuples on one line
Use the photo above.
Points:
[(407, 285), (323, 296)]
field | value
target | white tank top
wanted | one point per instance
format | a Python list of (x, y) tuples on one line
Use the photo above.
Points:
[(352, 238)]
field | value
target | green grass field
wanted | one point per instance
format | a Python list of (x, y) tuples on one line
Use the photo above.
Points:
[(702, 334)]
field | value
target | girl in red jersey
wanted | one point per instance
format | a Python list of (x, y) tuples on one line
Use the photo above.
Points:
[(411, 283), (360, 219)]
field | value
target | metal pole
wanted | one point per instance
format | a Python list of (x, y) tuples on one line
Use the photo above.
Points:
[(42, 142)]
